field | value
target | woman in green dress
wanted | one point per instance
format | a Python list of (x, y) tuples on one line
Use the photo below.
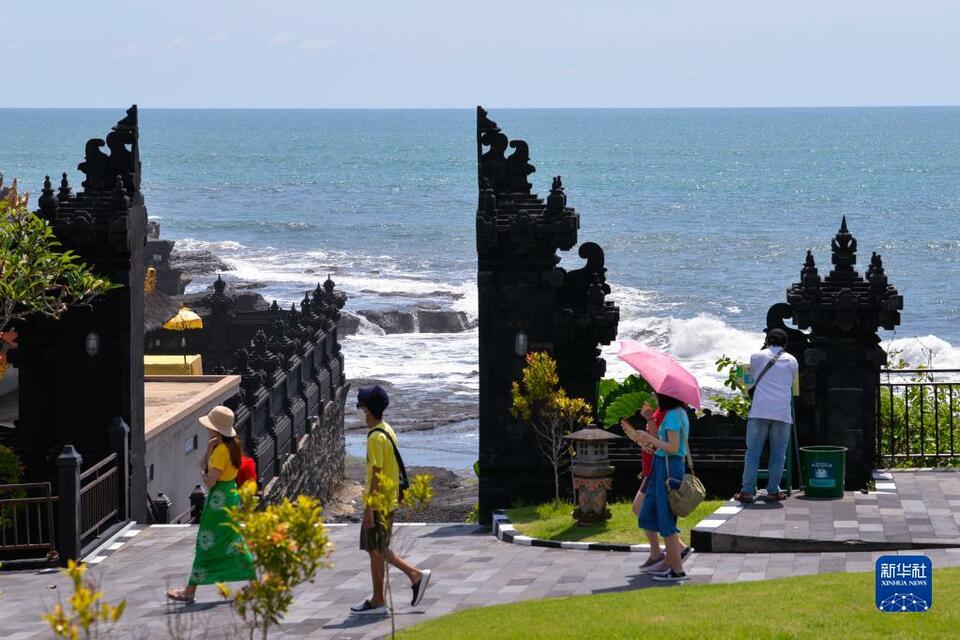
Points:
[(221, 555)]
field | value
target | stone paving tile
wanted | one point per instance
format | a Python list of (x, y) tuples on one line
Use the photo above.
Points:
[(471, 569)]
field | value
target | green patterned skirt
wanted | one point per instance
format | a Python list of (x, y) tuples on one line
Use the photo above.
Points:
[(221, 555)]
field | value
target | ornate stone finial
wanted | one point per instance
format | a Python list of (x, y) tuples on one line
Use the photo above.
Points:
[(305, 304), (329, 284), (844, 249), (809, 276), (557, 200), (48, 201), (519, 167), (219, 285), (876, 274), (94, 165), (150, 280), (119, 201), (274, 307), (65, 192), (318, 292)]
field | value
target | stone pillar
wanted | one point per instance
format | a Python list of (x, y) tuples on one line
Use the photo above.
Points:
[(119, 437), (68, 504)]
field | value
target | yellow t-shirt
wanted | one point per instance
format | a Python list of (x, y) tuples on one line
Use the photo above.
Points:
[(380, 454), (220, 459)]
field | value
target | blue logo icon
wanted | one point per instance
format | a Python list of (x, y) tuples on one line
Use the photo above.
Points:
[(904, 584)]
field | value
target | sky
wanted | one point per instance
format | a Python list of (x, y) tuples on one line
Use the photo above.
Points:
[(458, 53)]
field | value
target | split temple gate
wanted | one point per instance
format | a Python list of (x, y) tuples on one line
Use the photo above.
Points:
[(527, 303)]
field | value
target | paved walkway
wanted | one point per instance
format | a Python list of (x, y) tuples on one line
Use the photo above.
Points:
[(909, 509), (471, 569)]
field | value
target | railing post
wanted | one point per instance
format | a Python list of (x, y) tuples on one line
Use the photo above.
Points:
[(197, 498), (118, 436), (68, 503), (161, 508)]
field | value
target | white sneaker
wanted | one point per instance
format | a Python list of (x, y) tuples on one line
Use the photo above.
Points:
[(421, 587), (367, 609)]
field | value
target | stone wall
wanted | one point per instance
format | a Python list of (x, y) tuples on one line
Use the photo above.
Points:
[(317, 467)]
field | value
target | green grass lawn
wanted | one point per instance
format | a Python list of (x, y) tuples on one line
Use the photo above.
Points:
[(554, 522), (819, 607)]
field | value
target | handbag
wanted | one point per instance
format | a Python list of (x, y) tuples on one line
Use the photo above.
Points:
[(404, 483), (773, 361), (691, 492)]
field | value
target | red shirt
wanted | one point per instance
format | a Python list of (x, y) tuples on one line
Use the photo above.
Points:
[(658, 417), (247, 471)]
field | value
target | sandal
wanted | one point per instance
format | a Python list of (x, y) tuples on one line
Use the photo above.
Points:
[(776, 497), (178, 595), (745, 498), (652, 561)]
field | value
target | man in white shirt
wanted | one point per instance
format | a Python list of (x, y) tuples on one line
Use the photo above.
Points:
[(774, 371)]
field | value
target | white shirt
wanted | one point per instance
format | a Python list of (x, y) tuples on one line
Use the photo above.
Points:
[(771, 398)]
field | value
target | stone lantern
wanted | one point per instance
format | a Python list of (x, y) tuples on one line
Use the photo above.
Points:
[(592, 474)]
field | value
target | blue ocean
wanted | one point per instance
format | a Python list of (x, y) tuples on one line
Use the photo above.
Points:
[(705, 217)]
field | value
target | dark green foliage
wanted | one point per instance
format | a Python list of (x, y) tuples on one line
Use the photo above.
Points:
[(618, 400)]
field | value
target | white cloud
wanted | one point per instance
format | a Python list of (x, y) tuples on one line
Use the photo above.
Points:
[(218, 36), (178, 43), (281, 39), (314, 44)]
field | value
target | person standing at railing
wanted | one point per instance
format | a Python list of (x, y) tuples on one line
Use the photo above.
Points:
[(221, 555), (775, 372)]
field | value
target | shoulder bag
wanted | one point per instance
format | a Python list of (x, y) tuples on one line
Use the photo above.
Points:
[(691, 492)]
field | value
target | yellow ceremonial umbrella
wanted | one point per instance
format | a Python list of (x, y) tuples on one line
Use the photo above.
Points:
[(185, 320)]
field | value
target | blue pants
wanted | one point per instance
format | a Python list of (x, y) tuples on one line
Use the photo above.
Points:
[(758, 430), (656, 514)]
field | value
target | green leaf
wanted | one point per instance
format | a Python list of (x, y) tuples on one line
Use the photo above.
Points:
[(627, 405)]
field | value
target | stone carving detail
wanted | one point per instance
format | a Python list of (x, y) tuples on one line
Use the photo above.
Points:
[(836, 343)]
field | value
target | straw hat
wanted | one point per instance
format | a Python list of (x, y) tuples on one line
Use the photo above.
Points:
[(220, 419)]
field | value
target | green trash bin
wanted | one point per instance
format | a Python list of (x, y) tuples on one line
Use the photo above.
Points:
[(822, 468)]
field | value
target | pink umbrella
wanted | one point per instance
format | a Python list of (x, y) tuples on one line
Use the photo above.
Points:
[(664, 374)]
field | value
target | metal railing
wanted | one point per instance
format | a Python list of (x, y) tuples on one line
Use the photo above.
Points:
[(918, 417), (26, 518), (99, 497)]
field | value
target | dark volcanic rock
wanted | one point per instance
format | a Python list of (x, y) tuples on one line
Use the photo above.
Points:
[(419, 320), (198, 262), (348, 324), (443, 321), (392, 321)]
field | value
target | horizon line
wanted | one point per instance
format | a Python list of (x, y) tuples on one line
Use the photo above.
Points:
[(511, 108)]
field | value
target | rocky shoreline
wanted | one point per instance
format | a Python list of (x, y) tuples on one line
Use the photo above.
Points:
[(455, 496)]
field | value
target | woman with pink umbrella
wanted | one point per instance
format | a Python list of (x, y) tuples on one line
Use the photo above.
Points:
[(676, 388)]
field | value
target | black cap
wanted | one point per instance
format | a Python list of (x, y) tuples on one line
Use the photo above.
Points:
[(373, 398)]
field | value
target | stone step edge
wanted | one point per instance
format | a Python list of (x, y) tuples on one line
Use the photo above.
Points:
[(504, 531)]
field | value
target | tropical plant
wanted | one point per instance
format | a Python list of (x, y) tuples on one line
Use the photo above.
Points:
[(289, 545), (539, 400), (11, 472), (36, 278), (736, 401), (617, 400), (89, 609)]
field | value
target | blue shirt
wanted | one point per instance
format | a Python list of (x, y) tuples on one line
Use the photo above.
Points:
[(675, 420)]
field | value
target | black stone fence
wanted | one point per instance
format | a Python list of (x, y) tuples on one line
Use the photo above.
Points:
[(27, 521), (95, 503), (291, 369), (918, 417)]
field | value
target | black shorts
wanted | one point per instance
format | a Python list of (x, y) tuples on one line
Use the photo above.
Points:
[(377, 537)]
